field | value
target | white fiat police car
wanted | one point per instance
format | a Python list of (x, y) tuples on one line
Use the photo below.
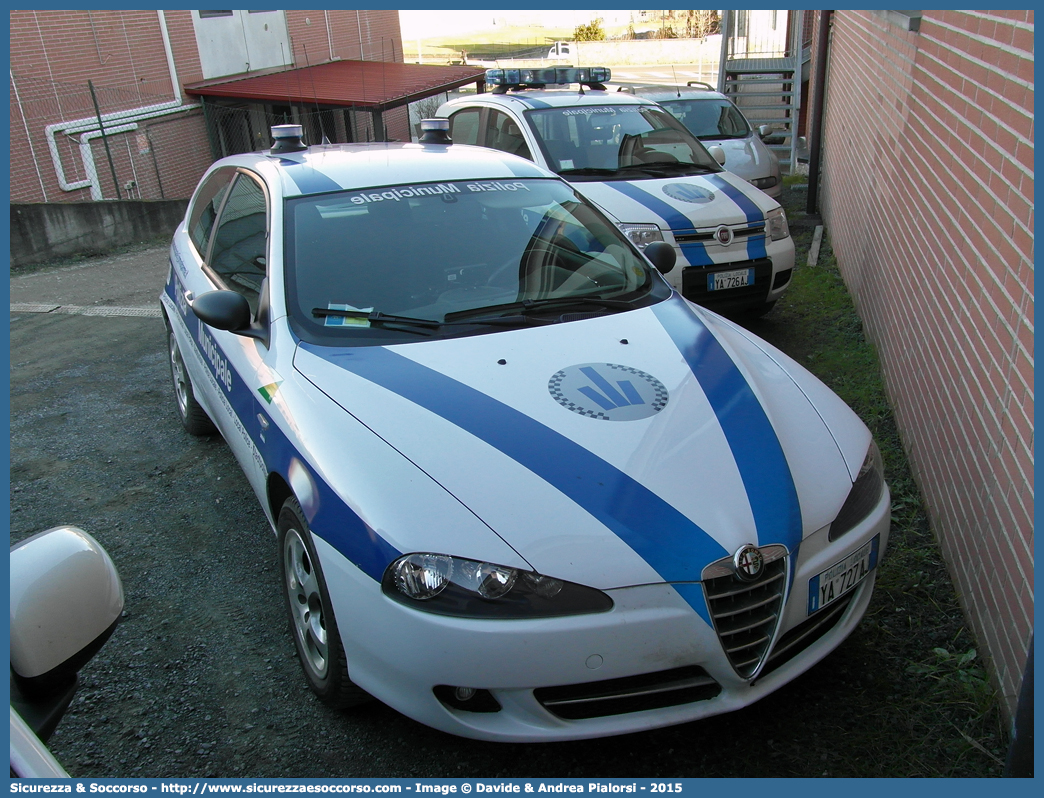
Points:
[(646, 171), (522, 489)]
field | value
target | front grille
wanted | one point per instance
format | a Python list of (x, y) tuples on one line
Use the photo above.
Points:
[(806, 633), (628, 694), (694, 282), (699, 236), (746, 614)]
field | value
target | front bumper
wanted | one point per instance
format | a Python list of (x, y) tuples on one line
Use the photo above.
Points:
[(772, 275), (650, 662)]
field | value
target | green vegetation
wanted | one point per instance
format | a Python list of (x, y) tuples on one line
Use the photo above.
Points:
[(591, 32), (921, 694)]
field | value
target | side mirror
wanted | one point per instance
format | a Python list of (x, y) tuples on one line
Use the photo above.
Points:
[(717, 153), (765, 131), (224, 310), (66, 599), (661, 255), (227, 310)]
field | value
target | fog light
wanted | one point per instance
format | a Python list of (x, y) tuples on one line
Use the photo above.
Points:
[(466, 699)]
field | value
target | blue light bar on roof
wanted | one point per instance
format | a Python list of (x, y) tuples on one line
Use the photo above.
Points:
[(547, 75)]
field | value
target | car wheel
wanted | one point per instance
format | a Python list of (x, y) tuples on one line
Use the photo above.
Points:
[(312, 623), (193, 417)]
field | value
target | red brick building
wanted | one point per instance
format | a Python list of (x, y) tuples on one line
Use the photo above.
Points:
[(927, 192), (150, 72)]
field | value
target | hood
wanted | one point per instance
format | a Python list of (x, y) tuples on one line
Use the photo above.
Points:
[(626, 449), (749, 157), (680, 203)]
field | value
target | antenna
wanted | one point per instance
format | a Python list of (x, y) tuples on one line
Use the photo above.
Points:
[(676, 87), (315, 96), (286, 72), (300, 93), (384, 91)]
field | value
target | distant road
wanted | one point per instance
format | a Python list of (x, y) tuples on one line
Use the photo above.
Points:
[(664, 74)]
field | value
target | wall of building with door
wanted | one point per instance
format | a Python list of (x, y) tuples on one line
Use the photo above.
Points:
[(927, 193), (138, 62)]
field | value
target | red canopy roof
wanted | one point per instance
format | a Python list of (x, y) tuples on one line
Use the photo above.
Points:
[(373, 84)]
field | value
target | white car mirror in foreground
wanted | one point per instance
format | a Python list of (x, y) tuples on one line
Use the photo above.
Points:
[(66, 599), (717, 153), (30, 758)]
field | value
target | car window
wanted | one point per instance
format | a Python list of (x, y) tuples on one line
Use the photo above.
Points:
[(710, 119), (206, 206), (426, 250), (464, 126), (610, 137), (239, 252), (503, 133)]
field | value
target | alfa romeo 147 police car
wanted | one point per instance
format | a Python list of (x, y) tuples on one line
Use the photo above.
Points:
[(522, 489), (646, 171)]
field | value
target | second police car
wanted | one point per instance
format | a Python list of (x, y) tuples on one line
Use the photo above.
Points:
[(522, 489), (646, 171)]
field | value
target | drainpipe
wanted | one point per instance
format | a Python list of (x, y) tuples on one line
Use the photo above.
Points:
[(123, 121), (175, 85), (818, 100)]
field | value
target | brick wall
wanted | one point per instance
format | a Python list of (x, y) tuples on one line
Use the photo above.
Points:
[(927, 191), (55, 53)]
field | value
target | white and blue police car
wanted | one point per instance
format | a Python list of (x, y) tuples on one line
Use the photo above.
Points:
[(646, 171), (522, 489)]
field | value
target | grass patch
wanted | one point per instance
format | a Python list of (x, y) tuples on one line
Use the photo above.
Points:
[(928, 708)]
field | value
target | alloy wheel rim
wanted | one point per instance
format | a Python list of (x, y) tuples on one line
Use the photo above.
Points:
[(306, 604), (177, 366)]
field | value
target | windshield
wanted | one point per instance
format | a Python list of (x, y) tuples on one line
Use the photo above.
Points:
[(420, 252), (619, 141), (709, 119)]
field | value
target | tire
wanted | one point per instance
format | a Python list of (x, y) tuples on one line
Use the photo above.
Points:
[(193, 417), (312, 623)]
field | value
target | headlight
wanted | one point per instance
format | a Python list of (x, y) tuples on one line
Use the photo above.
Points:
[(776, 224), (642, 235), (864, 496), (448, 585), (765, 182)]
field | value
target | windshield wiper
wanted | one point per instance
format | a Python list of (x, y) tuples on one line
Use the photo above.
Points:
[(656, 168), (538, 305), (587, 170), (385, 319), (376, 317)]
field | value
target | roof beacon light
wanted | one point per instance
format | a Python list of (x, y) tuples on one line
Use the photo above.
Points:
[(435, 131), (504, 79), (287, 139)]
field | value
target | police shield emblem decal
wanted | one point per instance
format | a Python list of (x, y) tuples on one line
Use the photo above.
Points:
[(608, 391)]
